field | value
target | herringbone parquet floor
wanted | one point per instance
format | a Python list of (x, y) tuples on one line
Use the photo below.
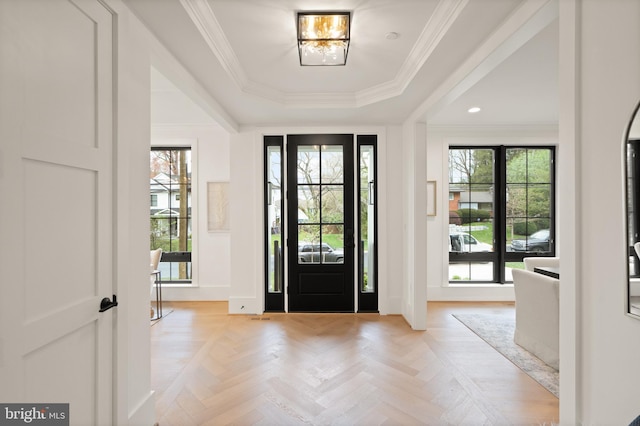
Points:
[(211, 368)]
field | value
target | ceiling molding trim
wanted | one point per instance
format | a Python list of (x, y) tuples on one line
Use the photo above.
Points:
[(205, 21), (445, 14), (320, 100), (508, 130), (527, 21), (443, 17)]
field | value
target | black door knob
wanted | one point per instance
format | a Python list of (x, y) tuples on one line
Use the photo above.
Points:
[(107, 304)]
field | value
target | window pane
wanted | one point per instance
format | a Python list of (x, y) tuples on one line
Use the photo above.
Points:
[(539, 165), (308, 243), (274, 219), (516, 165), (332, 247), (367, 268), (332, 164), (309, 164), (459, 165), (332, 204), (481, 164), (517, 200), (539, 201), (308, 204), (471, 271)]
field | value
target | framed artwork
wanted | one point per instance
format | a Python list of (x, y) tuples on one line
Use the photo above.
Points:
[(431, 198), (218, 207)]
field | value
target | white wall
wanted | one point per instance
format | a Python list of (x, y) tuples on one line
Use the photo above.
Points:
[(438, 141), (608, 90), (134, 398), (414, 286), (246, 293), (391, 222)]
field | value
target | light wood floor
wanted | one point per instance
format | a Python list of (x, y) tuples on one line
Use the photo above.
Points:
[(279, 369)]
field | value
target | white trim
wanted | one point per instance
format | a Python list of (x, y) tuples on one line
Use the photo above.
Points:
[(144, 411), (472, 293), (193, 293), (569, 212), (246, 305)]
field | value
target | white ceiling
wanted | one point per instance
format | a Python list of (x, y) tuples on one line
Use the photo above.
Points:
[(241, 57)]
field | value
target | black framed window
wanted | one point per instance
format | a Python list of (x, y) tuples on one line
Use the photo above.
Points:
[(501, 209), (170, 213)]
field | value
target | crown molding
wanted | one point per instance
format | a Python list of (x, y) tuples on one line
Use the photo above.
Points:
[(207, 24), (445, 14)]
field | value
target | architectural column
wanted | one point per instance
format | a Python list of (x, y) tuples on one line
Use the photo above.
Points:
[(414, 290)]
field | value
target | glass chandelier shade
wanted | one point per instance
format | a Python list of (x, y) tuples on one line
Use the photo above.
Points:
[(323, 37)]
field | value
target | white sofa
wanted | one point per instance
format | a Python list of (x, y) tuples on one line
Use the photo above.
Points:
[(535, 262), (537, 315)]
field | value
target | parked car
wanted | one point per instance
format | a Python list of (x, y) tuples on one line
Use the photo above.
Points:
[(312, 253), (462, 242), (537, 242)]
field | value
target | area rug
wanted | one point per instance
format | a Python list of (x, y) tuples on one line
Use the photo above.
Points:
[(497, 331)]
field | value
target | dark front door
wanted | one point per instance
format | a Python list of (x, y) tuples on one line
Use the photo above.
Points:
[(320, 223)]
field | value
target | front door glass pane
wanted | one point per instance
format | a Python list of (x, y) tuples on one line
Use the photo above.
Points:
[(308, 164), (332, 247), (320, 189), (332, 204), (332, 164)]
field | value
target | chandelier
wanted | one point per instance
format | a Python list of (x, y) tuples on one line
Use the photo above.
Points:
[(323, 37)]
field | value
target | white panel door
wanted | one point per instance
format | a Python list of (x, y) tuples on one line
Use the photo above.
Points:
[(56, 202)]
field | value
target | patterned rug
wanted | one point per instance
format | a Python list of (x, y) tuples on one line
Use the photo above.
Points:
[(497, 330)]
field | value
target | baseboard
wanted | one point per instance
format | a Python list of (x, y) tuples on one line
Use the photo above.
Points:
[(145, 413), (245, 305), (191, 294), (472, 293), (392, 306)]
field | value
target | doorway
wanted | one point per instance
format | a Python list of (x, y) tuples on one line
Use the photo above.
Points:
[(319, 201), (320, 221)]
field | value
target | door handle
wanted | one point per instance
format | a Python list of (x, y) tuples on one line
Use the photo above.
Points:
[(107, 304)]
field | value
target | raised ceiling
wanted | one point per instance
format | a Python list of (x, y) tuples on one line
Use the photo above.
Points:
[(450, 54)]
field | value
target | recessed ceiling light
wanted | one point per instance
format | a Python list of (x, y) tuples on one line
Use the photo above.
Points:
[(391, 35), (473, 110)]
